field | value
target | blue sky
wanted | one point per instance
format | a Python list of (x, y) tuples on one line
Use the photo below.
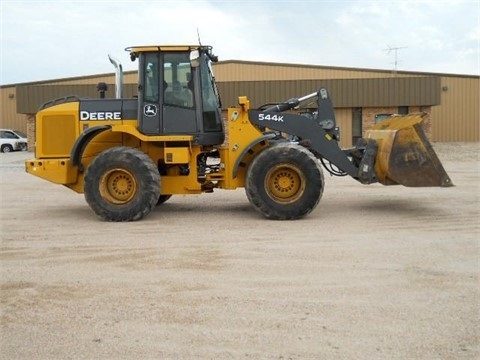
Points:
[(44, 40)]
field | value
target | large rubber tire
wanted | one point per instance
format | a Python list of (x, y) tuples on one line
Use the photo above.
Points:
[(122, 184), (284, 182)]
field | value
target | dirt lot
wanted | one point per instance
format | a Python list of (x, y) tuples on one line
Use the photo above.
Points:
[(373, 273)]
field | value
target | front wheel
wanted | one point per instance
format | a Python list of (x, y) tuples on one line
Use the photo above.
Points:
[(284, 182), (7, 148), (122, 184)]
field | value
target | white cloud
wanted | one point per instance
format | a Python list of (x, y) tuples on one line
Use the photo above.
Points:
[(54, 39)]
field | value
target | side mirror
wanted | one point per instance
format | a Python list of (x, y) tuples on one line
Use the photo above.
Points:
[(195, 58)]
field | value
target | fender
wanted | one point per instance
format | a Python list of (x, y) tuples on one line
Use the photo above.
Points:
[(267, 136), (82, 142)]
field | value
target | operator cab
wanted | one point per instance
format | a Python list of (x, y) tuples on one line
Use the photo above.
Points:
[(177, 94)]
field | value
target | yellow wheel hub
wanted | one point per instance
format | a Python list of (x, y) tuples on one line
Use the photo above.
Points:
[(285, 183), (118, 186)]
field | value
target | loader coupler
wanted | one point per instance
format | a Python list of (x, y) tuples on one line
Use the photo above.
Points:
[(405, 156)]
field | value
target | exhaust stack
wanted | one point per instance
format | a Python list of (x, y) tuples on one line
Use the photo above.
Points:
[(118, 77)]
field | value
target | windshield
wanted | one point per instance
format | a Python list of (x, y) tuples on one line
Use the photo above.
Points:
[(21, 134), (211, 99)]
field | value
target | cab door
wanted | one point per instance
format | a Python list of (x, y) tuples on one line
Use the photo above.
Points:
[(149, 90), (179, 116), (166, 100)]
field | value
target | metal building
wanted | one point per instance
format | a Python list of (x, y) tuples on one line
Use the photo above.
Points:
[(452, 100), (360, 96)]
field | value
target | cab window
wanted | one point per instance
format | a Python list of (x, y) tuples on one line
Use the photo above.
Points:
[(151, 78), (177, 82)]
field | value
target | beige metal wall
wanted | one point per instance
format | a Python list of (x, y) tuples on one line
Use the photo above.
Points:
[(249, 71), (458, 117), (377, 92), (344, 122), (9, 118), (129, 77)]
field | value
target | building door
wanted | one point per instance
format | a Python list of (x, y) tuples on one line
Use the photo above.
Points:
[(356, 125)]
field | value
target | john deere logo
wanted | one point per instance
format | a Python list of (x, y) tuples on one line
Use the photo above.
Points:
[(150, 110)]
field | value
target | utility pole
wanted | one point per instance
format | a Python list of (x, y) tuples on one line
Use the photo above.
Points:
[(389, 49)]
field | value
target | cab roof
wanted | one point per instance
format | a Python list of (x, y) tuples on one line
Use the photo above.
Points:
[(150, 48)]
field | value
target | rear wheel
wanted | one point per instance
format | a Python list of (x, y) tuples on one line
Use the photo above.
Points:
[(122, 184), (284, 182)]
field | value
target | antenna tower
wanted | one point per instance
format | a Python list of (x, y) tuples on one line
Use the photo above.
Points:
[(389, 49)]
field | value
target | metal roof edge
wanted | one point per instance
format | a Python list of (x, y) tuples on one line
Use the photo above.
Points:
[(403, 72)]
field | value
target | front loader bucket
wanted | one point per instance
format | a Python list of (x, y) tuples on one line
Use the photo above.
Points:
[(405, 156)]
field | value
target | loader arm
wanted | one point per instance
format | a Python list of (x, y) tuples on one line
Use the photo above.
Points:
[(318, 132), (395, 151), (308, 131)]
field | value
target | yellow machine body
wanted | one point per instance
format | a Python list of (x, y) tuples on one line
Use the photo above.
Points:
[(59, 127), (129, 155)]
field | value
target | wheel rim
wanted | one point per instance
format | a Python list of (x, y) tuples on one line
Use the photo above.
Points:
[(285, 183), (118, 186)]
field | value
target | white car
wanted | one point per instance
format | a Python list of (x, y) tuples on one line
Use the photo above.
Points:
[(12, 140)]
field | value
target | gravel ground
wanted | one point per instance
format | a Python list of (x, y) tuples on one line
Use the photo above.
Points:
[(373, 272)]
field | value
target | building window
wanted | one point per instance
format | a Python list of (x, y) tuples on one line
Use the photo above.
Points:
[(381, 117), (403, 110)]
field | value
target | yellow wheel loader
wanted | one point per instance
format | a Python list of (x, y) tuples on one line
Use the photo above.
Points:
[(129, 155)]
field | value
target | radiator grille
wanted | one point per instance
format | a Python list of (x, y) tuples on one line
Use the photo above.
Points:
[(55, 135)]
